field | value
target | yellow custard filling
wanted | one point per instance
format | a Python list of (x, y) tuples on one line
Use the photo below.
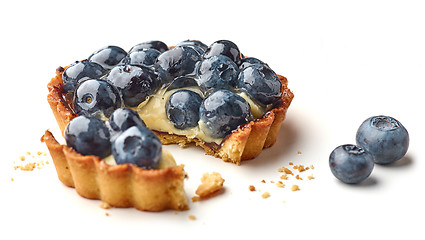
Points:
[(153, 113), (167, 160)]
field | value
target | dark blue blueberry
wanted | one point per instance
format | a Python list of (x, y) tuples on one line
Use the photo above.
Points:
[(80, 71), (250, 61), (96, 98), (135, 83), (88, 136), (222, 112), (260, 83), (178, 61), (195, 44), (181, 82), (226, 48), (158, 45), (122, 119), (350, 163), (182, 109), (108, 56), (137, 145), (144, 57), (384, 137), (217, 72)]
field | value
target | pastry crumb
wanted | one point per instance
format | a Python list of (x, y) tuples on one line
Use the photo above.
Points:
[(191, 217), (284, 177), (22, 158), (107, 214), (265, 195), (295, 188), (251, 188), (211, 183), (280, 184), (298, 177), (310, 177), (105, 205), (196, 199), (12, 179)]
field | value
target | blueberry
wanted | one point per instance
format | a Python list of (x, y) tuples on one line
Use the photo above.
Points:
[(144, 57), (135, 83), (182, 108), (158, 45), (199, 46), (80, 71), (122, 119), (222, 112), (350, 163), (384, 137), (178, 61), (260, 83), (96, 98), (88, 136), (224, 47), (137, 145), (108, 56), (217, 72), (181, 82), (250, 61)]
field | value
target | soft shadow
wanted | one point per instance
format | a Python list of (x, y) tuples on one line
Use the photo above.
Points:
[(285, 142), (368, 182), (404, 162)]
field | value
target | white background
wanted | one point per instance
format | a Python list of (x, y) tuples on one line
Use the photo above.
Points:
[(345, 61)]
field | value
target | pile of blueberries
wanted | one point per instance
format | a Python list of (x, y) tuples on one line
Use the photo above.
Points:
[(380, 140), (111, 78)]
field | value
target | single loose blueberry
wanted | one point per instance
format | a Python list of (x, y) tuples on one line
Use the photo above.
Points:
[(108, 56), (217, 72), (350, 163), (80, 71), (182, 108), (260, 83), (158, 45), (144, 57), (122, 119), (226, 48), (137, 145), (384, 137), (135, 83), (88, 136), (96, 98), (222, 112), (178, 61)]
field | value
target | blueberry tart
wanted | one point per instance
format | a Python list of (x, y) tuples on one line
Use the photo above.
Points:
[(230, 105)]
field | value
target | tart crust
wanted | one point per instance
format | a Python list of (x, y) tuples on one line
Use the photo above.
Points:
[(123, 185), (244, 143)]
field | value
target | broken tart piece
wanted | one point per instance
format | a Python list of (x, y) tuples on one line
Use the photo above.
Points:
[(230, 105)]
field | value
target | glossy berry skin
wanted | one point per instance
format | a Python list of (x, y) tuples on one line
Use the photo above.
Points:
[(181, 82), (217, 72), (384, 137), (195, 44), (96, 98), (250, 61), (260, 83), (108, 56), (158, 45), (350, 163), (80, 71), (88, 136), (178, 61), (226, 48), (135, 83), (144, 57), (137, 145), (222, 112), (182, 108), (122, 119)]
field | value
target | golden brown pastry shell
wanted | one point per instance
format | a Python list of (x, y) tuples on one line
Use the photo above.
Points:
[(124, 185), (246, 142)]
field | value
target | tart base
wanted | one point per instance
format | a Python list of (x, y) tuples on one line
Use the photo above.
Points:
[(244, 143), (124, 185)]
